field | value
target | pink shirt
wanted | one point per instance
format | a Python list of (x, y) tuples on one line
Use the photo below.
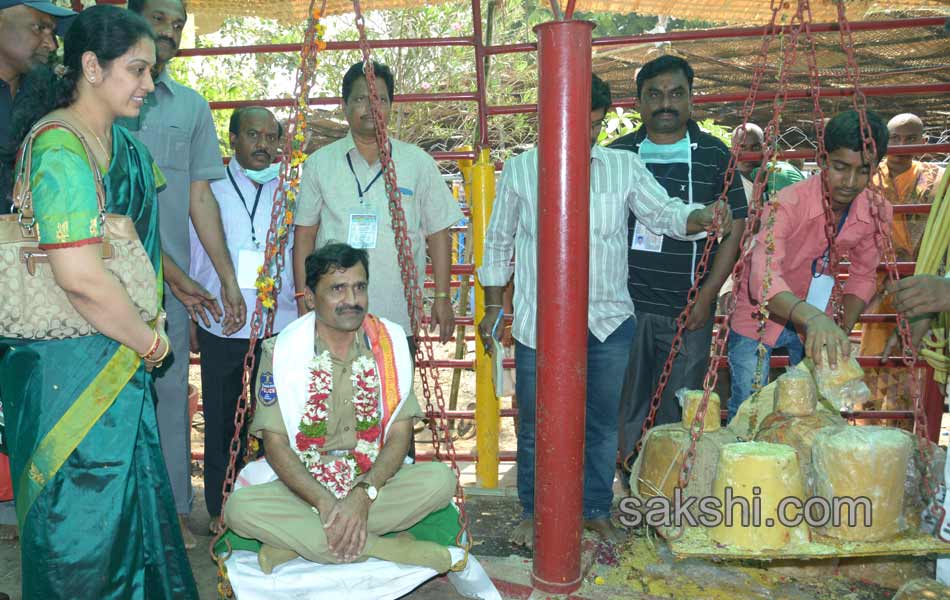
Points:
[(799, 235)]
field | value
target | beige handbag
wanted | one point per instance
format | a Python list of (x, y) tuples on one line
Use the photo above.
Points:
[(34, 307)]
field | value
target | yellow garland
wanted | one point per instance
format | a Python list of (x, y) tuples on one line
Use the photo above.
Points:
[(264, 282)]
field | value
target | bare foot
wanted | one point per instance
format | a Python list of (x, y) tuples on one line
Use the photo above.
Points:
[(606, 530), (523, 534), (269, 557), (9, 533), (187, 537)]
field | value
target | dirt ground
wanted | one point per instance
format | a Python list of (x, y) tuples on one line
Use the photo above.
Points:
[(644, 568)]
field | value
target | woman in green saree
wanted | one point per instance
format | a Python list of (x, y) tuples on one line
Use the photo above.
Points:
[(94, 505)]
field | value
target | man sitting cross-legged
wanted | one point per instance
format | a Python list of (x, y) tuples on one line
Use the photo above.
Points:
[(335, 409)]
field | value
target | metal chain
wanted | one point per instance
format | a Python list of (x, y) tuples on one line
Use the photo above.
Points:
[(909, 352), (756, 205), (701, 267), (277, 235), (411, 288)]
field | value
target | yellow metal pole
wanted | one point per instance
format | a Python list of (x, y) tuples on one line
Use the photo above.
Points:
[(487, 410)]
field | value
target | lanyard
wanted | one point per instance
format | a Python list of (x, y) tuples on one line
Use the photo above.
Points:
[(253, 211), (359, 189), (814, 263)]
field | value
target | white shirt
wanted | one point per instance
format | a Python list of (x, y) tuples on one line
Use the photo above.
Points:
[(619, 182), (236, 219)]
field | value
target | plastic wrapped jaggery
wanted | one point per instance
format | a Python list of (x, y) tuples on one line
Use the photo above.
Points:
[(844, 385), (757, 472), (690, 401), (796, 394), (864, 465), (657, 468), (660, 461), (799, 433)]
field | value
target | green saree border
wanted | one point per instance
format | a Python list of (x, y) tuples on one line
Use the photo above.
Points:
[(72, 427)]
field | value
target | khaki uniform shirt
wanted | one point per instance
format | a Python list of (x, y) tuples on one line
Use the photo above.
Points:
[(330, 196), (341, 419)]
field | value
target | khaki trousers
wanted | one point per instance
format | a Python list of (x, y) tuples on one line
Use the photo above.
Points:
[(276, 516)]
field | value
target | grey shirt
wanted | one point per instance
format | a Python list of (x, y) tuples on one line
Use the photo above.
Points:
[(176, 126)]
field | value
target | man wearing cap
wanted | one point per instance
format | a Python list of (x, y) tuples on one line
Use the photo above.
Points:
[(27, 38)]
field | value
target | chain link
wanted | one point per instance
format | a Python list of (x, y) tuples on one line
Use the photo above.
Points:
[(411, 288), (885, 243), (276, 242)]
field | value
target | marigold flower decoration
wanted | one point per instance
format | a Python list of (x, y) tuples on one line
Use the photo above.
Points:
[(290, 177)]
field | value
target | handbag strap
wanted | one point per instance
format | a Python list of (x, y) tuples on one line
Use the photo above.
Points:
[(23, 195)]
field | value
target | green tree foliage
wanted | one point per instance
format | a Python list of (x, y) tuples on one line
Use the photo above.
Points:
[(434, 125)]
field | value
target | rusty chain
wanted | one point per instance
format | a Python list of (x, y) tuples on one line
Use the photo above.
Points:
[(276, 241), (701, 266), (411, 288), (885, 242)]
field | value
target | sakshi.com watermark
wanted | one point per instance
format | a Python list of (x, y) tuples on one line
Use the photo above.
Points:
[(740, 511)]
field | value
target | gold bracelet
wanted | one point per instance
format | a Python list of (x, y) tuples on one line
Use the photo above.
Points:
[(168, 348), (441, 295), (153, 347)]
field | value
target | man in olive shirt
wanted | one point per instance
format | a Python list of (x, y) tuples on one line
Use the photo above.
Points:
[(175, 124), (335, 409)]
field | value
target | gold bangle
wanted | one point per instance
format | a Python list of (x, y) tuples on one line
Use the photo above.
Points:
[(153, 347), (168, 348), (441, 295)]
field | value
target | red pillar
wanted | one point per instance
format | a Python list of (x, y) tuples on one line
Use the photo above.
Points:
[(564, 73)]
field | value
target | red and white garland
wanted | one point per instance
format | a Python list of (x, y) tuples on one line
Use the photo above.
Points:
[(338, 476)]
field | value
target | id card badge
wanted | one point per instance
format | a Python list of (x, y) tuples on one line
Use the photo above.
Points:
[(363, 231), (819, 292), (646, 240), (248, 263)]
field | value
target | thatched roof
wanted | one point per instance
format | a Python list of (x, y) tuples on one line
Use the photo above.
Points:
[(210, 13), (888, 57), (756, 12)]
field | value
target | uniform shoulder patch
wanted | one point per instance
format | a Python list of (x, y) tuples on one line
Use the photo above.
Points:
[(267, 393)]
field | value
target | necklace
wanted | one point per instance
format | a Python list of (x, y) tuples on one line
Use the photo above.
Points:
[(105, 152)]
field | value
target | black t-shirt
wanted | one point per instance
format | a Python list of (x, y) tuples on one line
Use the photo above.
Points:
[(6, 115), (659, 282)]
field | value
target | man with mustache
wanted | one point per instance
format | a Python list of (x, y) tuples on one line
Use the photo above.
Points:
[(343, 197), (246, 198), (175, 124), (690, 164), (335, 409), (788, 272), (28, 30), (619, 184)]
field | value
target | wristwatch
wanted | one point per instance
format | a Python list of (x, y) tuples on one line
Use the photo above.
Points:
[(371, 490)]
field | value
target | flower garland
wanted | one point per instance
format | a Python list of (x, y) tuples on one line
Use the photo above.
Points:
[(338, 476), (290, 170)]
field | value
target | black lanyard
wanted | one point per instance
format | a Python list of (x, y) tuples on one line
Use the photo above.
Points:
[(253, 211), (359, 189), (814, 264)]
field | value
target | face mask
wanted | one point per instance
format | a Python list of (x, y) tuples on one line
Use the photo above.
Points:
[(264, 175), (678, 152)]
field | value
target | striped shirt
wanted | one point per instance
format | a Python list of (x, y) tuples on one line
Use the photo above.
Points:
[(619, 182), (660, 281)]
